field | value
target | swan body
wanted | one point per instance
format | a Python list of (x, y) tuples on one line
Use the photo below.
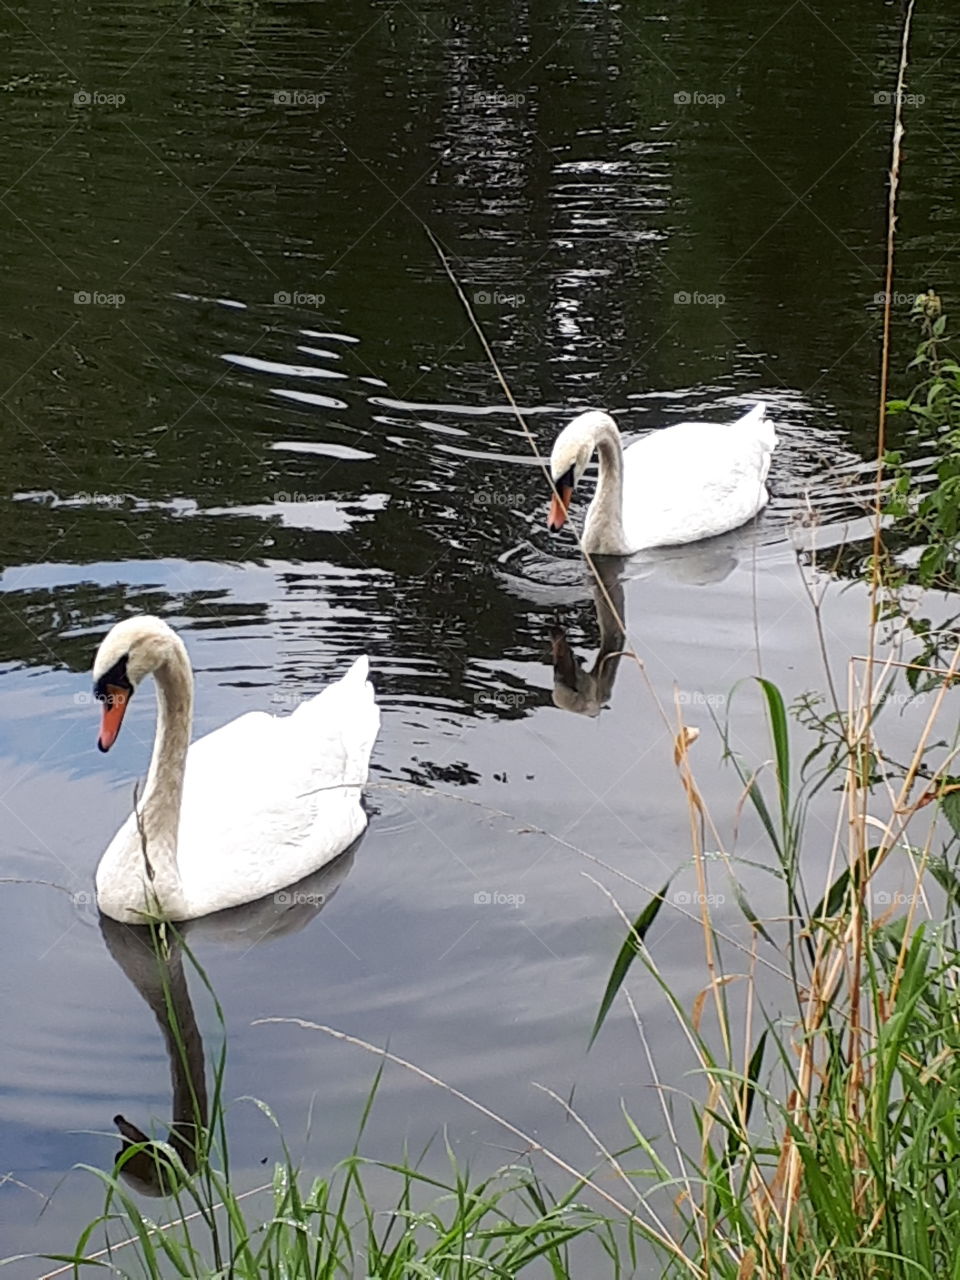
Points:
[(246, 810), (679, 484)]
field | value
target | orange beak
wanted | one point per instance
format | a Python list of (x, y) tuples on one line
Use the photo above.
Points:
[(114, 706), (559, 505)]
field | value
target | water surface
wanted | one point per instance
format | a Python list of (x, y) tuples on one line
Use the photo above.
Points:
[(241, 393)]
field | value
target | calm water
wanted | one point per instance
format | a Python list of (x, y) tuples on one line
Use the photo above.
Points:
[(240, 392)]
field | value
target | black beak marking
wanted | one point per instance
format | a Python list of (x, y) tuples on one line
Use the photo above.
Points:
[(566, 481), (116, 676)]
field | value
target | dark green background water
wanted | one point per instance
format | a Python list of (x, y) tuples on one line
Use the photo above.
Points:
[(286, 439)]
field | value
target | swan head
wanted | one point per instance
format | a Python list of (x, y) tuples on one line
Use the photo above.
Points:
[(570, 457), (130, 651)]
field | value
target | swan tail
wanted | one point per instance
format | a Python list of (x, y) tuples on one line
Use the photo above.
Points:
[(762, 428), (345, 712), (362, 734)]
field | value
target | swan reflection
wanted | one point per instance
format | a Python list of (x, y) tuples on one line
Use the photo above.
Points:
[(702, 563), (153, 961), (543, 580), (574, 688)]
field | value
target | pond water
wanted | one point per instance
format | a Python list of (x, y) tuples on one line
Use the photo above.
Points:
[(241, 393)]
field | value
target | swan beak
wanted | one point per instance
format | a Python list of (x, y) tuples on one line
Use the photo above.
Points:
[(114, 706), (559, 504)]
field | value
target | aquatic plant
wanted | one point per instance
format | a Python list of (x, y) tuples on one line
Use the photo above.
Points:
[(923, 500)]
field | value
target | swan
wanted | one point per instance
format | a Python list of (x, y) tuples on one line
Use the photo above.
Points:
[(246, 810), (680, 484)]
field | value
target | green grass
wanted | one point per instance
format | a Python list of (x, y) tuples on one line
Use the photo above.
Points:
[(332, 1227)]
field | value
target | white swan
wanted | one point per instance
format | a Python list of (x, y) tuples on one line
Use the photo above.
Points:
[(679, 484), (251, 808)]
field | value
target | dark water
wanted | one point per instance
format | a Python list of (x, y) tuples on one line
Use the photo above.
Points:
[(240, 392)]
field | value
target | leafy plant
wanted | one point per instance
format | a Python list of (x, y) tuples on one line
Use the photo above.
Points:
[(923, 498)]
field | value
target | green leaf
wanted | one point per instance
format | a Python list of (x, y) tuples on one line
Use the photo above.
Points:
[(625, 958), (833, 900), (781, 743), (752, 917), (950, 804), (946, 878), (735, 1141)]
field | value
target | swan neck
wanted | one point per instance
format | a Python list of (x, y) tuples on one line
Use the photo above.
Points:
[(605, 535), (610, 452), (160, 810)]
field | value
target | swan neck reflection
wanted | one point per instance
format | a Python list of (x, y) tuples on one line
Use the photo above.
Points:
[(574, 688)]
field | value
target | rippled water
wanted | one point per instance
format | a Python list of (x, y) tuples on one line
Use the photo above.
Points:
[(240, 392)]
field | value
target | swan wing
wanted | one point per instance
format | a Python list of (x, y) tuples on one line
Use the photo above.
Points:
[(696, 479), (269, 799)]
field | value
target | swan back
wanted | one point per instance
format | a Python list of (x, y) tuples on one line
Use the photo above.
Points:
[(269, 799), (696, 480)]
